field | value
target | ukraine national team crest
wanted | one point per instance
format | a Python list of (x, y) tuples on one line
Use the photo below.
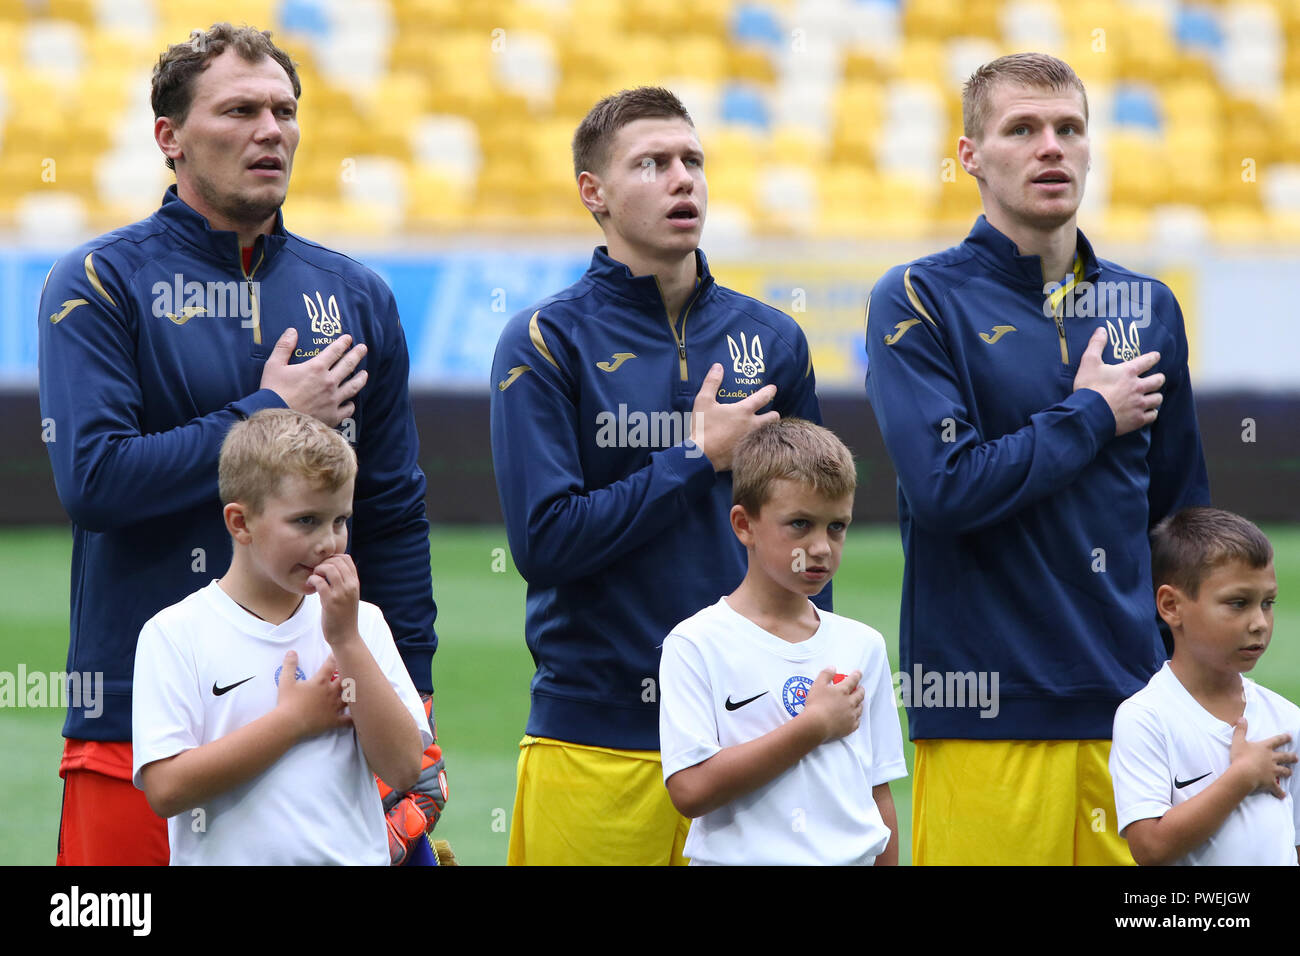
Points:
[(795, 694), (747, 359), (325, 318), (1125, 347)]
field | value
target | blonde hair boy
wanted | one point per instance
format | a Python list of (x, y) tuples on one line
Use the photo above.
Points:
[(229, 729), (260, 452)]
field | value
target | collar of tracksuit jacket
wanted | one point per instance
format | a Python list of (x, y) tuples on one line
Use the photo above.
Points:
[(617, 279), (1000, 253), (217, 245)]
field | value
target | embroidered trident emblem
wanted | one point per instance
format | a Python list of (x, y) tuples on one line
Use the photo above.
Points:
[(324, 321), (1124, 349), (741, 361)]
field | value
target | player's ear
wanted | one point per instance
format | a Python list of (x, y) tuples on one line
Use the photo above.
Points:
[(740, 523), (966, 155), (592, 192), (236, 516), (164, 134), (1168, 601)]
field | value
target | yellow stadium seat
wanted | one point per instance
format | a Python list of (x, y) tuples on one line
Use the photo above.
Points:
[(1123, 223), (440, 13), (669, 20), (1283, 228), (75, 173), (577, 94), (1094, 66), (1136, 169), (1147, 48), (931, 18), (979, 18), (1238, 224), (1195, 100), (591, 54), (1290, 108), (15, 12), (314, 218), (462, 52), (923, 60), (540, 16), (20, 168), (75, 11), (865, 66), (858, 111), (437, 201), (738, 145), (1194, 162), (369, 220), (797, 145), (847, 210), (700, 58), (1251, 130), (466, 93), (603, 16), (411, 51), (750, 63), (902, 209), (11, 46), (737, 186)]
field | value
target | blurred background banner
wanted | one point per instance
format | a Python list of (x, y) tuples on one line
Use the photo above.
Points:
[(454, 305)]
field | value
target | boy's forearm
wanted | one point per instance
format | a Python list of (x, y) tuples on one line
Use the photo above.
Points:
[(741, 769), (1156, 842), (389, 738), (188, 779), (884, 798)]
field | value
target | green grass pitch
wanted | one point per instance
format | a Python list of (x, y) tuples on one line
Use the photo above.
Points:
[(481, 671)]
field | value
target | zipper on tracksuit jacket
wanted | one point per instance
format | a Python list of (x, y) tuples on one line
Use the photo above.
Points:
[(680, 340), (252, 292), (1057, 301)]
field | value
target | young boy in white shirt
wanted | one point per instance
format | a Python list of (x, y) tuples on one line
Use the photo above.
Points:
[(263, 701), (1199, 760), (778, 756)]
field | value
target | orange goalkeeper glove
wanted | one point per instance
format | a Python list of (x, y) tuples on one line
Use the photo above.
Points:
[(430, 791), (413, 814)]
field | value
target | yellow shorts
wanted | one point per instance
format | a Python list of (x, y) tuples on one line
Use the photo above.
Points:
[(1013, 803), (592, 806)]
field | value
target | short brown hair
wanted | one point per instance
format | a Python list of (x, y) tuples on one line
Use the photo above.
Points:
[(180, 63), (793, 449), (259, 452), (1035, 70), (595, 133), (1186, 547)]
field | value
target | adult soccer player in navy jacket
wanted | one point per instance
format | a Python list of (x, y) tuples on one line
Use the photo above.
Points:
[(155, 339), (617, 519), (1036, 404)]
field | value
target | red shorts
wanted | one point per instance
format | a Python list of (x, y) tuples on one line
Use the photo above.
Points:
[(106, 821)]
